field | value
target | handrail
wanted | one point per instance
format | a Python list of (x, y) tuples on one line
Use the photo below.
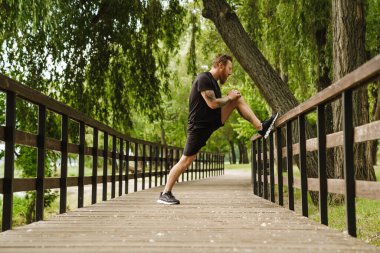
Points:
[(365, 74), (155, 159)]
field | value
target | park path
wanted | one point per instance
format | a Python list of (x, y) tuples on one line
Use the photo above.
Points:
[(218, 214)]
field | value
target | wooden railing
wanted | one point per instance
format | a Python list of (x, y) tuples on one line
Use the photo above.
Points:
[(153, 167), (348, 186)]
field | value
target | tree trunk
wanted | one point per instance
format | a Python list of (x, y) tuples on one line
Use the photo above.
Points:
[(322, 82), (240, 152), (348, 54), (163, 138), (269, 83), (243, 153), (271, 86), (233, 154)]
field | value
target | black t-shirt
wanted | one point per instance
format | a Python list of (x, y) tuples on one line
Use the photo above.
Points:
[(200, 114)]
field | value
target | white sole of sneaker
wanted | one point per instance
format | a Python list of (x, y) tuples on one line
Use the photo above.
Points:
[(270, 127), (165, 203)]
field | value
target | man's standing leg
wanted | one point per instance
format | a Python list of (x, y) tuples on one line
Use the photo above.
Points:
[(166, 196), (177, 170)]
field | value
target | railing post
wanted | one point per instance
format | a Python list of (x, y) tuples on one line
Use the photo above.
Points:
[(40, 186), (40, 163), (161, 163), (105, 162), (259, 168), (136, 166), (126, 167), (196, 167), (302, 157), (254, 167), (349, 173), (265, 168), (214, 164), (205, 165), (143, 165), (150, 165), (121, 144), (166, 163), (271, 167), (9, 137), (210, 165), (82, 133), (113, 176), (156, 165), (289, 155), (321, 129), (64, 159), (94, 180), (279, 167)]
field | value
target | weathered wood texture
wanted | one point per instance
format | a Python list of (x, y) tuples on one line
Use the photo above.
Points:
[(216, 215)]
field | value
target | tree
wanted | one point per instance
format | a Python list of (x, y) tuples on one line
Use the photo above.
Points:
[(271, 86), (274, 90), (349, 53), (104, 58)]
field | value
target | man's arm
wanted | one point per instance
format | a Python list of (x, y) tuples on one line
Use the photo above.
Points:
[(213, 102)]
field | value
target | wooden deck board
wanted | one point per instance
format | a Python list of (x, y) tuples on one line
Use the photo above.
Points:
[(216, 215)]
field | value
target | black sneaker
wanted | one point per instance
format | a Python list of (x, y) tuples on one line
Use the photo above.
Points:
[(268, 126), (168, 199)]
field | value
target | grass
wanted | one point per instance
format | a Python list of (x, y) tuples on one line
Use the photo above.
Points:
[(244, 167)]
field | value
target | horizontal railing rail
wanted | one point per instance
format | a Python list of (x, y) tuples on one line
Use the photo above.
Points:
[(130, 158), (264, 153)]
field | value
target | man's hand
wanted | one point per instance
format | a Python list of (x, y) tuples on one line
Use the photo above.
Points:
[(213, 102), (234, 94)]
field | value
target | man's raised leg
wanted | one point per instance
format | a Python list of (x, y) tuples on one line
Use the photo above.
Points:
[(244, 110)]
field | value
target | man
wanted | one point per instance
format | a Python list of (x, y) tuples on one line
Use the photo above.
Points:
[(208, 111)]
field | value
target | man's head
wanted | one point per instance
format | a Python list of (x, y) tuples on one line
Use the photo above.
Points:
[(223, 65)]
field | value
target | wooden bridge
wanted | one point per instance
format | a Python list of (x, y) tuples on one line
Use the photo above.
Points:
[(220, 212)]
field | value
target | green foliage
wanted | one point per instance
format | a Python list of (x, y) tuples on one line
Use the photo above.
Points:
[(372, 10), (105, 58)]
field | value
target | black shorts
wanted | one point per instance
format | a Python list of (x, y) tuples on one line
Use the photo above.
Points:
[(196, 139)]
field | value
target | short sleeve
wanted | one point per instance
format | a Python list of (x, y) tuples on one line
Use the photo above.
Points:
[(204, 83)]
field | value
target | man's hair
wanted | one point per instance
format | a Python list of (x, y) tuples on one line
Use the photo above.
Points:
[(221, 58)]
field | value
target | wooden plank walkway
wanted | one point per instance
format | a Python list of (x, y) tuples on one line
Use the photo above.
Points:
[(216, 215)]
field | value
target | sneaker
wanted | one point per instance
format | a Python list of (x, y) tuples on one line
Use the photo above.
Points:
[(168, 199), (268, 126)]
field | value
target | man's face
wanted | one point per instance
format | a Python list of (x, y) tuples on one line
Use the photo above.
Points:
[(225, 71)]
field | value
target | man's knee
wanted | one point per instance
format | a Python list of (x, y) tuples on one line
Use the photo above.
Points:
[(240, 100), (187, 160)]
